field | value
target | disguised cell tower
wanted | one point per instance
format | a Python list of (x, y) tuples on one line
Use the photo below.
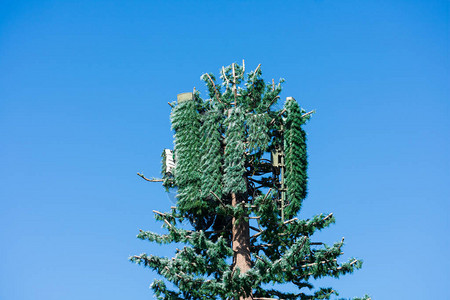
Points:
[(239, 166)]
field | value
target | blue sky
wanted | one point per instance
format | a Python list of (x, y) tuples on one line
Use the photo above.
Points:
[(84, 87)]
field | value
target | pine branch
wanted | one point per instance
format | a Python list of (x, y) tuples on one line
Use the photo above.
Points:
[(159, 213), (151, 179), (327, 217), (279, 115), (267, 194), (262, 246), (254, 228), (290, 221), (316, 263), (272, 102), (215, 89), (217, 197), (257, 234), (225, 76), (351, 264), (257, 68), (234, 83), (167, 222), (308, 113)]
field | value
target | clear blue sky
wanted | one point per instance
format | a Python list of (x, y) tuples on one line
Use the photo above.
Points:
[(84, 87)]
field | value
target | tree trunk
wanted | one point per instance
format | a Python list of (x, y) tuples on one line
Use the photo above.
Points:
[(241, 244)]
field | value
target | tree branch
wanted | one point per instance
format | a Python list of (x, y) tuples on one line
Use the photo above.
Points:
[(168, 224), (272, 102), (262, 246), (267, 194), (254, 228), (217, 197), (151, 180), (225, 76), (259, 66), (290, 221), (327, 217), (279, 114), (215, 89), (159, 213), (308, 113), (351, 264)]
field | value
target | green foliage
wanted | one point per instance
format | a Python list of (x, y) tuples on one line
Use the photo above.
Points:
[(186, 124), (258, 132), (221, 145), (234, 162), (366, 297), (211, 154), (296, 158)]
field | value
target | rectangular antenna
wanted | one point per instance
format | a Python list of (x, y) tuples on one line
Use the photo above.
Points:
[(185, 97)]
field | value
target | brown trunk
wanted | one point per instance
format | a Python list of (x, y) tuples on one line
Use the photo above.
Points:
[(241, 244)]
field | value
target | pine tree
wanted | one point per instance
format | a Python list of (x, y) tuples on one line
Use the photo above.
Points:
[(241, 177)]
